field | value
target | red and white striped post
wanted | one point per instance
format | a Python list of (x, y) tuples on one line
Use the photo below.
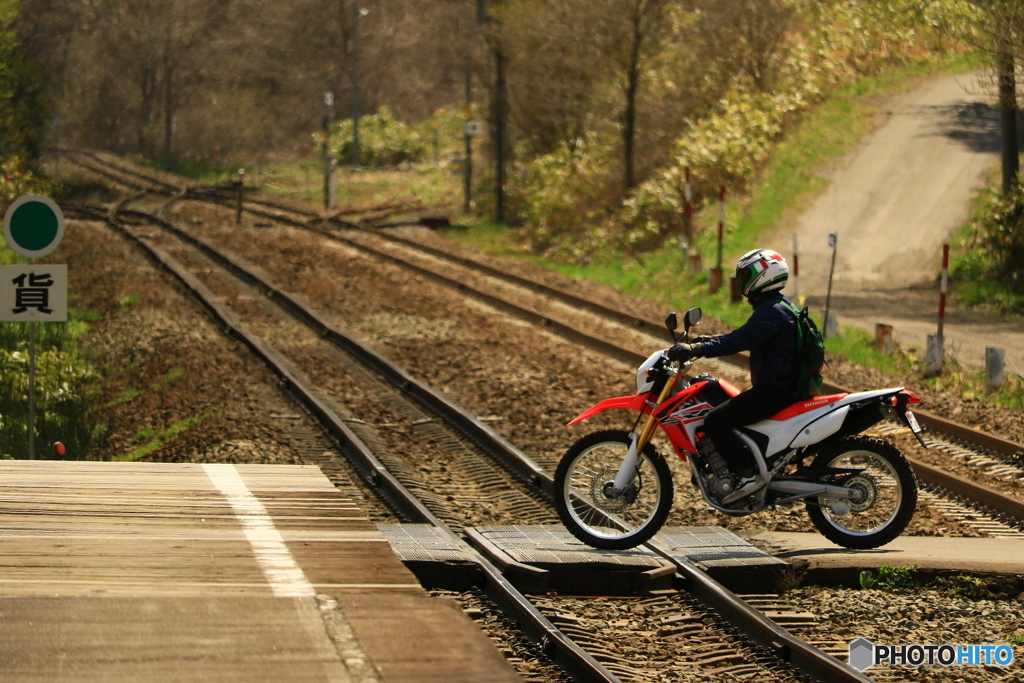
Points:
[(687, 214), (942, 287), (936, 343), (716, 272)]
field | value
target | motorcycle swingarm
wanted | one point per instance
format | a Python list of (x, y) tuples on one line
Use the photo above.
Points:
[(813, 473), (803, 489)]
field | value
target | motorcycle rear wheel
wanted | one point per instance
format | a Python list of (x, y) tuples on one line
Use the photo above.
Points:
[(626, 521), (887, 494)]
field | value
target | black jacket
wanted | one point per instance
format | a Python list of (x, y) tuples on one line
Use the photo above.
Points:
[(770, 334)]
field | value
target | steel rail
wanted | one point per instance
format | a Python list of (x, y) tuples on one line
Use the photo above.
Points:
[(759, 628), (933, 422), (169, 187), (929, 475), (984, 495), (425, 395), (556, 645)]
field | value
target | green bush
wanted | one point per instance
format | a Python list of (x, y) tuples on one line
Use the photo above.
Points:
[(16, 181), (383, 141), (61, 376), (549, 193), (1000, 234), (985, 265)]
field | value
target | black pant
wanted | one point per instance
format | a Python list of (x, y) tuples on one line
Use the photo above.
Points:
[(753, 405)]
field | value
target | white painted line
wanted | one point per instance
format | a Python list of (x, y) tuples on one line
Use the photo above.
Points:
[(286, 578)]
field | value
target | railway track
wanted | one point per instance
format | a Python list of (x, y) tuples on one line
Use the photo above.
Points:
[(989, 452), (986, 507), (397, 484)]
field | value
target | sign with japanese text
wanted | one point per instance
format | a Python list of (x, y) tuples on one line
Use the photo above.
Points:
[(34, 293)]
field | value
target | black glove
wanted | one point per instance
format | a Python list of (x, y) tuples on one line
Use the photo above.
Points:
[(684, 352)]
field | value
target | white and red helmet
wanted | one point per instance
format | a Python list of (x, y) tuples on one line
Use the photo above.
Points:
[(761, 271)]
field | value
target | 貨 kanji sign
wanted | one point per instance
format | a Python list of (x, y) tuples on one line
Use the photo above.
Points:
[(34, 293)]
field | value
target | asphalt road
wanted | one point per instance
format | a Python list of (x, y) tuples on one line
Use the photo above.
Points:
[(892, 203)]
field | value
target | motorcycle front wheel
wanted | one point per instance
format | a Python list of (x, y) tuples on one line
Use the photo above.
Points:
[(884, 498), (583, 478)]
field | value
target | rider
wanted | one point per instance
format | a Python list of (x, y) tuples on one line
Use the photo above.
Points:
[(770, 334)]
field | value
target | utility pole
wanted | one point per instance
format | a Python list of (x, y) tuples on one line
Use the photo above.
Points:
[(468, 139), (1008, 122), (356, 13), (500, 114), (326, 154)]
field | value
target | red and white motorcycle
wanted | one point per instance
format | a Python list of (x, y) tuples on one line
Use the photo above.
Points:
[(614, 490)]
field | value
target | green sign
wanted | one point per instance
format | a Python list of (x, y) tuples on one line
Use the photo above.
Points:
[(34, 225)]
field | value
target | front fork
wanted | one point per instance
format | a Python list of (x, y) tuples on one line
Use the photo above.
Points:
[(627, 470)]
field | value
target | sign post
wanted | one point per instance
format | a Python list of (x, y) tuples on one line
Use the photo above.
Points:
[(33, 227), (833, 239)]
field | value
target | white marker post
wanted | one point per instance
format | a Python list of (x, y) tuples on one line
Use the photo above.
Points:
[(993, 368), (33, 227)]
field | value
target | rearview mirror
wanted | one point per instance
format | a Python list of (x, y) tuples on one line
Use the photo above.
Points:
[(692, 317), (671, 322)]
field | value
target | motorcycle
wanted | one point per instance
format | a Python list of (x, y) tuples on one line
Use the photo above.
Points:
[(613, 489)]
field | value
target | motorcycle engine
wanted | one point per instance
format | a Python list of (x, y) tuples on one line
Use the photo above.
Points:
[(719, 483)]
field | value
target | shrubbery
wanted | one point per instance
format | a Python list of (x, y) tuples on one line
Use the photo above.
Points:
[(1001, 235), (383, 141), (567, 197), (989, 271), (61, 375), (15, 181)]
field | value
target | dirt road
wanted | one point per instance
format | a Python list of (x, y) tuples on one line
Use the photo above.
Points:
[(892, 203)]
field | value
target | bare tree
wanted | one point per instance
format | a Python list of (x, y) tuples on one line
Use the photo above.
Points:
[(743, 38)]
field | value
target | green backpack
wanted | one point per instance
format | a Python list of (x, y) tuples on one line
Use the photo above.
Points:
[(810, 355)]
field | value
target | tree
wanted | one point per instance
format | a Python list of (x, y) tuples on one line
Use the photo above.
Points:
[(997, 27), (165, 47), (639, 40), (22, 110), (743, 38)]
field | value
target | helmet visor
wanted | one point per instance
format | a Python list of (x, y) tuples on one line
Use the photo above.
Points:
[(744, 276)]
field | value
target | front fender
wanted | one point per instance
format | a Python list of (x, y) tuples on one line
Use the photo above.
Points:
[(637, 402)]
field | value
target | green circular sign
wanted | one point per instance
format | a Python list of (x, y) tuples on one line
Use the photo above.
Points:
[(34, 225)]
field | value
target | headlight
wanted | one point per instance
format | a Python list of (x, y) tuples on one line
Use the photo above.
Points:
[(644, 383)]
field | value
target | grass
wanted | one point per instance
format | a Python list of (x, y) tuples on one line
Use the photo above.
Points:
[(888, 576), (859, 347), (173, 376), (128, 301), (127, 395), (156, 439)]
